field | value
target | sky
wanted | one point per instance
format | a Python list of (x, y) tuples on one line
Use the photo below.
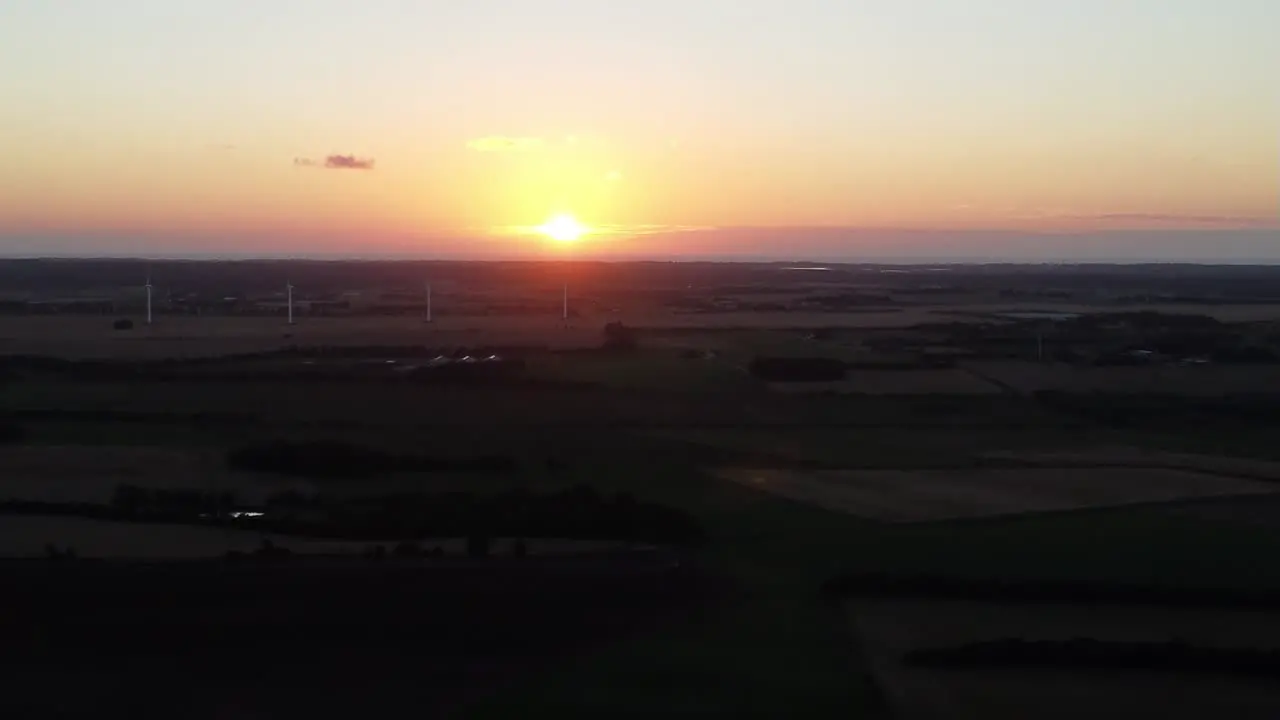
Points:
[(824, 129)]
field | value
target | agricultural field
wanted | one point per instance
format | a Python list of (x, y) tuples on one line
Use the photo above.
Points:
[(176, 336), (954, 471), (1225, 312), (922, 495), (945, 381), (1192, 380), (29, 536), (88, 473), (883, 432), (1259, 512), (386, 404), (92, 336), (762, 544), (658, 369), (1139, 457)]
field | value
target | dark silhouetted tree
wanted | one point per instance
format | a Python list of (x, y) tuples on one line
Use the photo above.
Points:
[(11, 434), (478, 545), (406, 549), (797, 369), (619, 337)]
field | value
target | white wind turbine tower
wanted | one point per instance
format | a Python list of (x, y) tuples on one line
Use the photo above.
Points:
[(148, 287), (288, 289)]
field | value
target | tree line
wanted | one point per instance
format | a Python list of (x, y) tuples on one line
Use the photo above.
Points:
[(578, 513), (1089, 653), (1028, 591)]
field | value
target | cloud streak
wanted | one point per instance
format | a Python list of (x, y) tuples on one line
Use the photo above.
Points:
[(606, 231), (1176, 219), (503, 143), (637, 230), (336, 162)]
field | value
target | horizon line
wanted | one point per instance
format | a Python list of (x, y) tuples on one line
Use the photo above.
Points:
[(718, 260)]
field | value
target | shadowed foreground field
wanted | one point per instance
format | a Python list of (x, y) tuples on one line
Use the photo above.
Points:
[(655, 424), (925, 495), (300, 639)]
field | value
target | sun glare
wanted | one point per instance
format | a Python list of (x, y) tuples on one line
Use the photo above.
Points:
[(563, 228)]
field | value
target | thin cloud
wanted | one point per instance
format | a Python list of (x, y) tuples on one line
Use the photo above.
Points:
[(337, 162), (605, 231), (502, 143), (638, 230), (1238, 220)]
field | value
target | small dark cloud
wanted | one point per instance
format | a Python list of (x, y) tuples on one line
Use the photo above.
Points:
[(337, 162), (348, 162)]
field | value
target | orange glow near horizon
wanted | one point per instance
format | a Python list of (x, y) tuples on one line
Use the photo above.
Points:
[(159, 135)]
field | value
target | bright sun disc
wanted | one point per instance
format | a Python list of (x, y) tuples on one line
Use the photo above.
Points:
[(563, 228)]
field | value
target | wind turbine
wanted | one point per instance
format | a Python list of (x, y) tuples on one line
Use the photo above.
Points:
[(148, 287), (427, 309), (564, 312), (288, 289)]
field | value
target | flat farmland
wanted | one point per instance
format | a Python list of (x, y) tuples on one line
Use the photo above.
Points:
[(659, 369), (1228, 313), (91, 473), (888, 628), (924, 495), (1136, 457), (388, 404), (887, 318), (883, 431), (1192, 380), (944, 381), (93, 337), (81, 336), (28, 535)]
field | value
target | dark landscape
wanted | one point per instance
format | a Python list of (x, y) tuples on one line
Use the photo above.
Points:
[(575, 359), (666, 489)]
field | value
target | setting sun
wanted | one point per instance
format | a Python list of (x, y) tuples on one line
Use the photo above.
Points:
[(563, 228)]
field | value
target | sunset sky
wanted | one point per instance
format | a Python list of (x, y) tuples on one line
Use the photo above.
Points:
[(832, 129)]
